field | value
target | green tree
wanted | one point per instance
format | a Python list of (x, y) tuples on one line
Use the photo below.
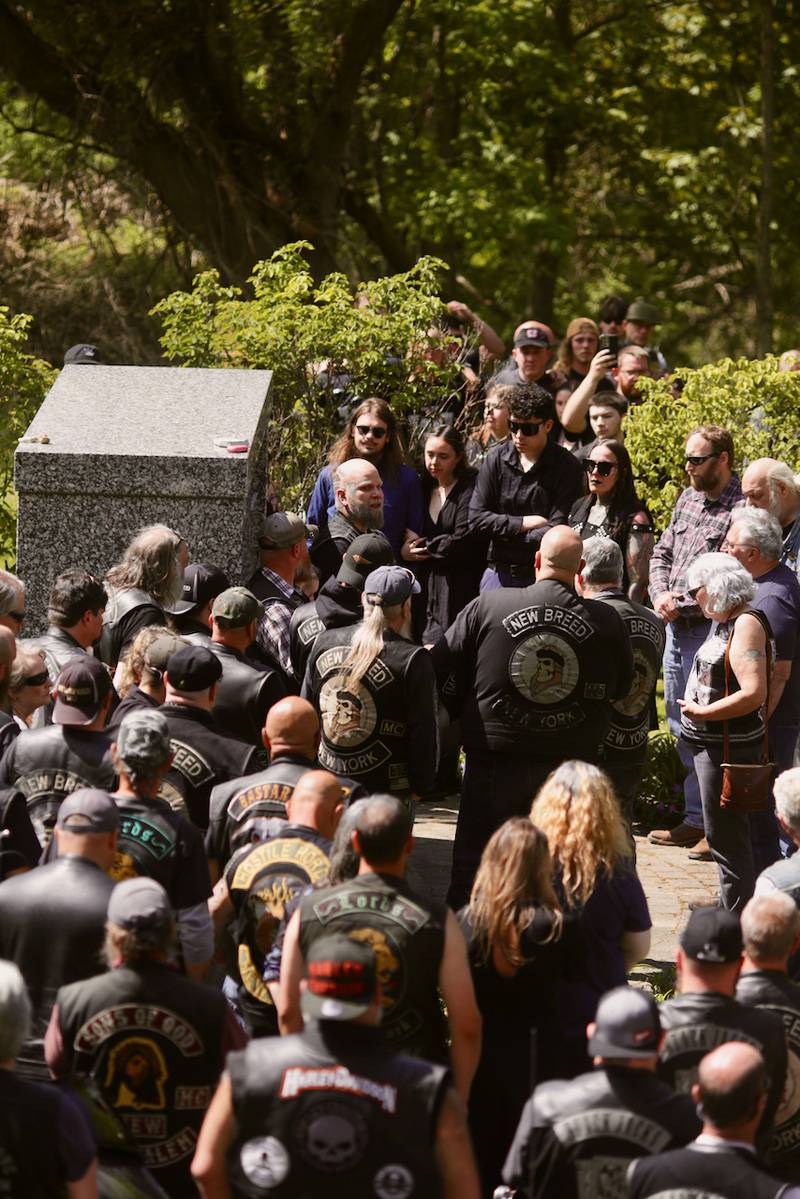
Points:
[(24, 381), (312, 335), (756, 401)]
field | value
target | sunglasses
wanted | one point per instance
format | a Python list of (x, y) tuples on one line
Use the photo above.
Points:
[(528, 428), (377, 431), (18, 616), (699, 459), (603, 469), (692, 592), (36, 680)]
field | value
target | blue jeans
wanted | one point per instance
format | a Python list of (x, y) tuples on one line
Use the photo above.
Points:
[(683, 641)]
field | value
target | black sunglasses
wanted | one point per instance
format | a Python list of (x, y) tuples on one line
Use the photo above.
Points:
[(603, 469), (36, 680), (699, 459), (18, 616), (528, 428), (692, 592), (375, 430)]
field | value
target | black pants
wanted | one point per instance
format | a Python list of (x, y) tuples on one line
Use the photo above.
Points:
[(495, 788)]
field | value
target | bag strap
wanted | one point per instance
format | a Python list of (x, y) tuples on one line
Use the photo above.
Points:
[(767, 635)]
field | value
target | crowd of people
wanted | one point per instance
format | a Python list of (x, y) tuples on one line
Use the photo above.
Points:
[(216, 976)]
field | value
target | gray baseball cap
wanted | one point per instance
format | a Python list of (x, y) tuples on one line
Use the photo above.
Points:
[(88, 810), (143, 740), (627, 1025), (282, 529), (140, 904), (394, 583)]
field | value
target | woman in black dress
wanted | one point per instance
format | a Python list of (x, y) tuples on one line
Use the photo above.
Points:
[(613, 509), (513, 930), (452, 550)]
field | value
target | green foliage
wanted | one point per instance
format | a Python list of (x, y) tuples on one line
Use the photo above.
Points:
[(24, 381), (754, 400), (663, 984), (309, 333), (659, 799)]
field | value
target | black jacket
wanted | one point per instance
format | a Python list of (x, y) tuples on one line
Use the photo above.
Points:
[(504, 493), (457, 550), (245, 695), (697, 1022), (202, 758), (596, 1123), (336, 606), (331, 544), (52, 925), (541, 668)]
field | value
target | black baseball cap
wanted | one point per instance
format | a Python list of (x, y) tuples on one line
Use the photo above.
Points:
[(362, 556), (202, 581), (80, 689), (194, 668), (341, 979), (712, 935), (627, 1025), (88, 810)]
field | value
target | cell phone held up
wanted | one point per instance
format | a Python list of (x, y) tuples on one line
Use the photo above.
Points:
[(609, 342)]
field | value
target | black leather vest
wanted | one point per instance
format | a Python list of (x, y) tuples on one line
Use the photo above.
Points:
[(701, 1173), (772, 991), (202, 757), (149, 842), (262, 879), (120, 603), (152, 1042), (48, 764), (58, 648), (364, 730), (626, 740), (407, 936), (331, 1112), (304, 628)]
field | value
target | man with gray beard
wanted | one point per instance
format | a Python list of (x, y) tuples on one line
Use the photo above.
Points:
[(773, 485), (358, 496)]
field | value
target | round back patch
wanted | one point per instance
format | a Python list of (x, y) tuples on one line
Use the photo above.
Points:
[(348, 716), (544, 668)]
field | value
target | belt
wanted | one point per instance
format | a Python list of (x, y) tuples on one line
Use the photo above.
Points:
[(515, 570), (689, 622)]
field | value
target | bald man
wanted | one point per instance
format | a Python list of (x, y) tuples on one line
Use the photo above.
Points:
[(262, 879), (255, 807), (731, 1093), (358, 499), (772, 485), (540, 668)]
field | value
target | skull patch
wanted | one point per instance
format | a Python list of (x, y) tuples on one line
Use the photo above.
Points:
[(332, 1136)]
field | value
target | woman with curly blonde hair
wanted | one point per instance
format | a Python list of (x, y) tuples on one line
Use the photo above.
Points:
[(513, 926), (598, 886)]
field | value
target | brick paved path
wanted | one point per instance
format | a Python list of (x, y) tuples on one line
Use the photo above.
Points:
[(668, 876)]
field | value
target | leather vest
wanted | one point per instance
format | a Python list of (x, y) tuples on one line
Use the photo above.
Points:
[(245, 694), (202, 757), (58, 648), (331, 1113), (696, 1023), (771, 991), (626, 740), (48, 764), (152, 1042), (262, 880), (120, 603), (364, 730), (148, 843), (407, 936), (785, 875), (702, 1174), (585, 1132), (304, 628), (545, 668)]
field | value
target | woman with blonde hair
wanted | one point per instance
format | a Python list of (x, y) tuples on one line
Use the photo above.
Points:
[(577, 350), (597, 884), (513, 927)]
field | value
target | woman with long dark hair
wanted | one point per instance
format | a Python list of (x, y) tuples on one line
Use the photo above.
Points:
[(372, 433), (513, 929), (451, 548), (613, 509)]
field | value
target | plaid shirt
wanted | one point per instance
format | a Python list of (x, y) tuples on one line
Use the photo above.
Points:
[(698, 526), (273, 627)]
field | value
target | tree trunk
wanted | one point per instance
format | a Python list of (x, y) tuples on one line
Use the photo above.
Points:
[(764, 300)]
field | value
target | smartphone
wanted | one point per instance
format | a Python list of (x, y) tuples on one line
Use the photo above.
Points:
[(610, 342)]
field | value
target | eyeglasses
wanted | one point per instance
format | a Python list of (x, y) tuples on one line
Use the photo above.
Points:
[(18, 616), (603, 469), (692, 592), (377, 431), (528, 428), (36, 680), (733, 545), (699, 459)]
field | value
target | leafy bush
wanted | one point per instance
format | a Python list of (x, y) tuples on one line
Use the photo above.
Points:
[(24, 381), (376, 335), (758, 403), (659, 799)]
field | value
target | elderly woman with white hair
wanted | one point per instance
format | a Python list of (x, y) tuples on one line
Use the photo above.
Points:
[(737, 646)]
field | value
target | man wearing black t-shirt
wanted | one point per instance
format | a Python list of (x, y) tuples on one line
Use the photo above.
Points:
[(542, 668)]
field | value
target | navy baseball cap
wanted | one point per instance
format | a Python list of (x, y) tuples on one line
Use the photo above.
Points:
[(394, 583)]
